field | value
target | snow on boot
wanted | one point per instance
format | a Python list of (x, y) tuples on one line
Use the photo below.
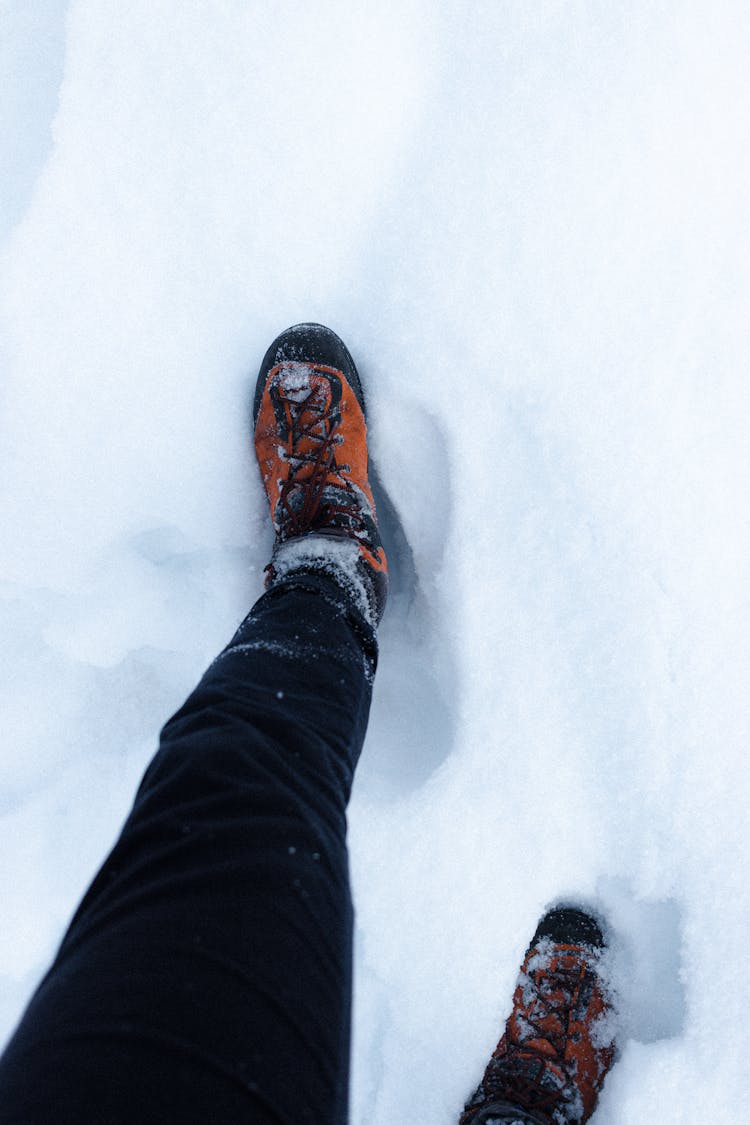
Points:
[(557, 1047)]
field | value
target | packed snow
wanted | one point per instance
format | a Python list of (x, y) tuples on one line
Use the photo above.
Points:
[(529, 223)]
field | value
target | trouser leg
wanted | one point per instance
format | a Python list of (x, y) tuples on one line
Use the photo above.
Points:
[(206, 975)]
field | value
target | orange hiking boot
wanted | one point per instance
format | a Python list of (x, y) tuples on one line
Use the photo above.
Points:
[(558, 1045), (311, 444)]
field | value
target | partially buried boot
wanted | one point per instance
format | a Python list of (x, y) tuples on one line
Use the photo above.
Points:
[(311, 444), (558, 1043)]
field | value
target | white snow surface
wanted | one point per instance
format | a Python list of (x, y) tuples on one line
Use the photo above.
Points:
[(529, 223)]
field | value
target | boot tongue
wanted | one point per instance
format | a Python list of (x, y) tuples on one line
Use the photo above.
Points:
[(295, 388), (297, 381), (308, 398)]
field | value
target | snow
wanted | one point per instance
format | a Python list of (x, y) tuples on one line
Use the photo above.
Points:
[(529, 224)]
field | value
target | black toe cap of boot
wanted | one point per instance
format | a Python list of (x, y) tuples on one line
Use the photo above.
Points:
[(308, 343), (566, 925)]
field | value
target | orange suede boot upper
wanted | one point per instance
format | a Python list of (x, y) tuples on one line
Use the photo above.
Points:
[(311, 444), (558, 1041)]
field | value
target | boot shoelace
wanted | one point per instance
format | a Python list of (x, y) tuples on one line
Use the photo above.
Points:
[(312, 444), (518, 1075)]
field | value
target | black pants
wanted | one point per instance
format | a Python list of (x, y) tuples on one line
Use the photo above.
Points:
[(206, 975)]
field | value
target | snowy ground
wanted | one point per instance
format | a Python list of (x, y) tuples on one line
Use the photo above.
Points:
[(529, 222)]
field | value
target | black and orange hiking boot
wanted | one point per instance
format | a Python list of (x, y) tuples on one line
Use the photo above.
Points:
[(311, 444), (558, 1043)]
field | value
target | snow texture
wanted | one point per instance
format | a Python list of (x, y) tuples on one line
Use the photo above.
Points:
[(529, 224)]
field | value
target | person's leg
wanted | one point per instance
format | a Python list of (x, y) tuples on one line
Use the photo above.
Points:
[(557, 1045), (206, 975)]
